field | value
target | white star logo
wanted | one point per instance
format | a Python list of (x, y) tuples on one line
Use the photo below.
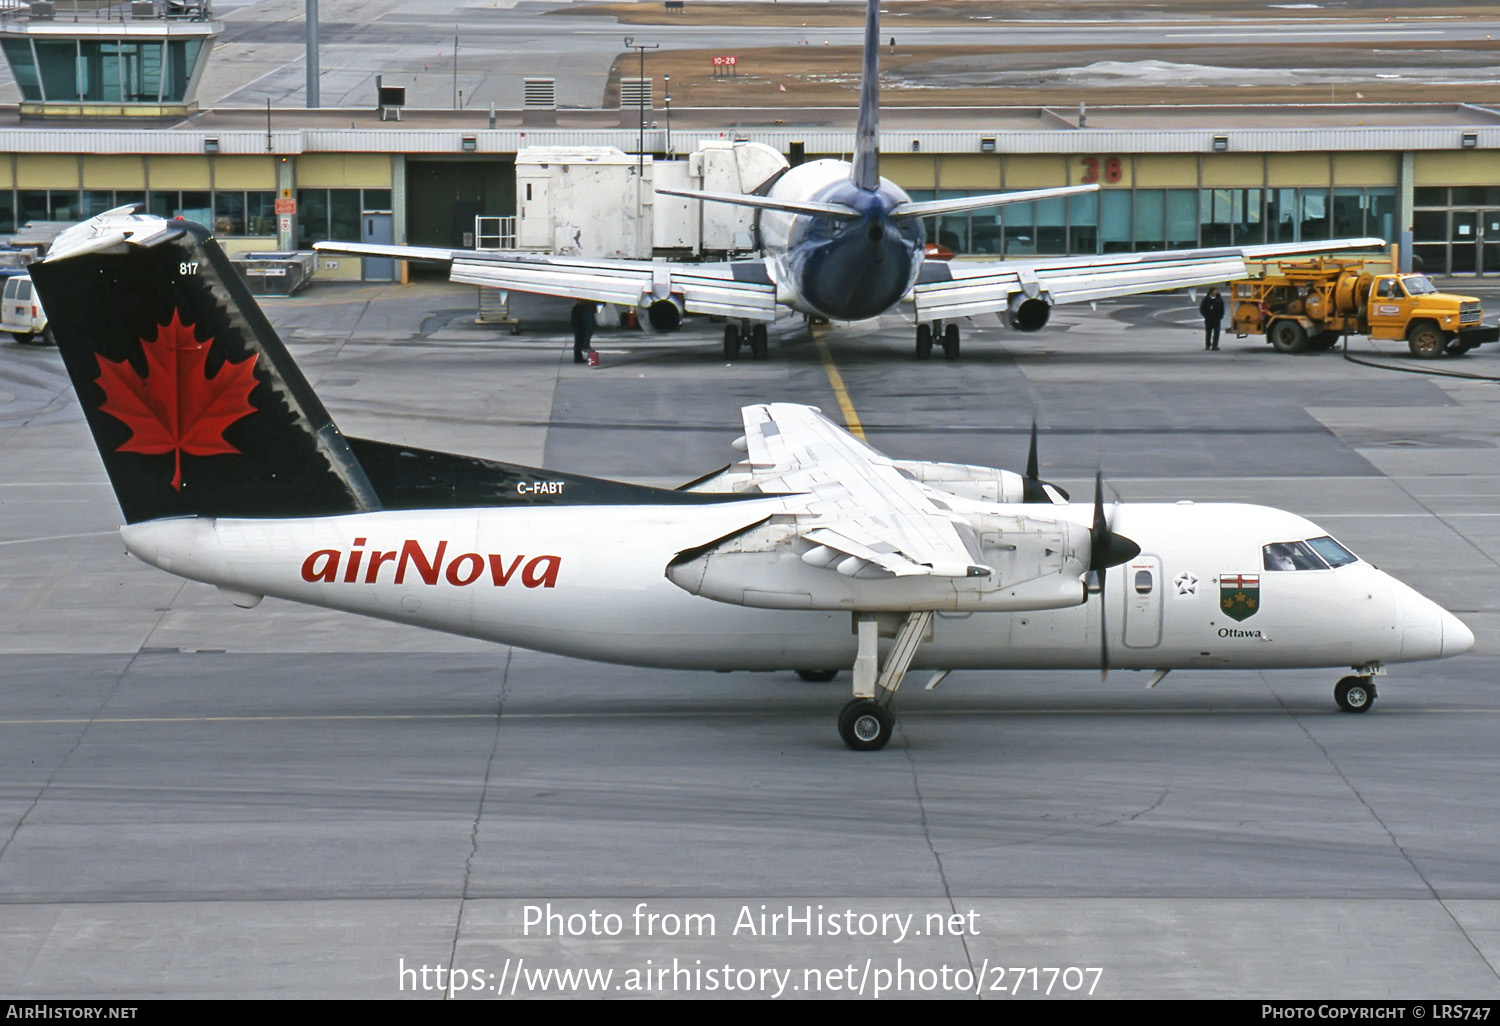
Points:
[(1186, 583)]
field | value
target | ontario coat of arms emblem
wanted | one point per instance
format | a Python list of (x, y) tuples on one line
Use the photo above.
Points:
[(1239, 595)]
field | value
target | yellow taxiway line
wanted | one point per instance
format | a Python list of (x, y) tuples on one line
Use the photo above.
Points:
[(846, 406)]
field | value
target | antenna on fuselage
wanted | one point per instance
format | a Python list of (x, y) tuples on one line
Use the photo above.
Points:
[(866, 173)]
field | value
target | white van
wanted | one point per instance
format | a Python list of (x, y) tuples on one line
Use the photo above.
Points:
[(21, 311)]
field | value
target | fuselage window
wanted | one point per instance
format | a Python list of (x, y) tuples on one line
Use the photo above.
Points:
[(1332, 552), (1295, 555), (1143, 582)]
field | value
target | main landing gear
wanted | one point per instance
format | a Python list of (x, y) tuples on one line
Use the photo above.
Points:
[(745, 332), (1355, 694), (945, 335), (866, 723)]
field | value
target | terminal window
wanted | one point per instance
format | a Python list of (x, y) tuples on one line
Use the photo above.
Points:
[(333, 214)]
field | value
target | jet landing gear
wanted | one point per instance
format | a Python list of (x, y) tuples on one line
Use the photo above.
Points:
[(1355, 694), (945, 335), (754, 334), (866, 723)]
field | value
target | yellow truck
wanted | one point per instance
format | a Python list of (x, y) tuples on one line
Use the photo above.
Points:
[(1311, 304)]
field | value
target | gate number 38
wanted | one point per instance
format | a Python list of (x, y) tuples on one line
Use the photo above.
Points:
[(1111, 170)]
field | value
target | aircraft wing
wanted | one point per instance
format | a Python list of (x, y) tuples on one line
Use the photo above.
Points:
[(736, 288), (854, 504), (960, 289)]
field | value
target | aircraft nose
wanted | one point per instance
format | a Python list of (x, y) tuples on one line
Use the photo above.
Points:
[(1456, 635), (1428, 631)]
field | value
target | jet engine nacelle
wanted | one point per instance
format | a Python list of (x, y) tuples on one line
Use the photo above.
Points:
[(1028, 313), (770, 566), (660, 315)]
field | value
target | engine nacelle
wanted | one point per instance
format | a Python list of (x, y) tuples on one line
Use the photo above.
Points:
[(1028, 314), (1038, 564), (983, 484), (660, 315)]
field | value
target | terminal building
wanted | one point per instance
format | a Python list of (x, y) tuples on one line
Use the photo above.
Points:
[(108, 115)]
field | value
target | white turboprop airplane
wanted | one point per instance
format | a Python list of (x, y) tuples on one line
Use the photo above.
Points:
[(814, 553), (842, 243)]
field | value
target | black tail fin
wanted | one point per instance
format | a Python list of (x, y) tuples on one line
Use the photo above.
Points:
[(866, 173), (193, 401)]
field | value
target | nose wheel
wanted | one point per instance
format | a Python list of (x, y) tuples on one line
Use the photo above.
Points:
[(1354, 694)]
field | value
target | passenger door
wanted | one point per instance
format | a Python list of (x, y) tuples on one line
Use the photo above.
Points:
[(1143, 590)]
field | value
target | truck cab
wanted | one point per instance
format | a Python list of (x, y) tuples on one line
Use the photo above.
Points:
[(1410, 307)]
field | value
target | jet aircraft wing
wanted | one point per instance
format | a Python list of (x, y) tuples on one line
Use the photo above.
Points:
[(855, 505), (949, 289), (736, 288)]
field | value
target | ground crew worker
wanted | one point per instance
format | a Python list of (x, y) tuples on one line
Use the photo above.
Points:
[(1212, 309), (583, 329)]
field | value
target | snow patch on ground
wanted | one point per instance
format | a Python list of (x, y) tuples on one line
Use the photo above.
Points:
[(1108, 74)]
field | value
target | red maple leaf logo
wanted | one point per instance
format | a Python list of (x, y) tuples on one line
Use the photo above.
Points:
[(177, 407)]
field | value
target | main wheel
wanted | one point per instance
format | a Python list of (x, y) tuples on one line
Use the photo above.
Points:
[(758, 341), (866, 725), (1426, 342), (1288, 337), (1326, 340), (1354, 694), (950, 342), (817, 676), (731, 342), (22, 336), (924, 341)]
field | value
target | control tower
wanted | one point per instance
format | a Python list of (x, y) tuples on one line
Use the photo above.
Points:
[(104, 59)]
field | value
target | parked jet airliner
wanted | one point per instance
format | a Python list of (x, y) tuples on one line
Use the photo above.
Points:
[(814, 553), (842, 243)]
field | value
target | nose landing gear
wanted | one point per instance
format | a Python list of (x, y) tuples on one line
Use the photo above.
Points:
[(1354, 694)]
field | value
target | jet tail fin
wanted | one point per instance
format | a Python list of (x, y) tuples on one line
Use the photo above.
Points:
[(193, 401), (866, 172)]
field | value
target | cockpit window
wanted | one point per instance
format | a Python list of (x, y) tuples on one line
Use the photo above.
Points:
[(1331, 551), (1296, 555)]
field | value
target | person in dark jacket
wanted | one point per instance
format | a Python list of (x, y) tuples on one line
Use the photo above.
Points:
[(583, 329), (1212, 309)]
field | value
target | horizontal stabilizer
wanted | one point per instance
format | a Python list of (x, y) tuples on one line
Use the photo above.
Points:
[(958, 204), (812, 208)]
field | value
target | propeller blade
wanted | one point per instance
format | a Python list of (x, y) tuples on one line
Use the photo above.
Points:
[(1103, 634), (1034, 489), (1106, 549)]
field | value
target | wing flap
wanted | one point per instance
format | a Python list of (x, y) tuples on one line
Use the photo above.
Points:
[(717, 289), (854, 499)]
